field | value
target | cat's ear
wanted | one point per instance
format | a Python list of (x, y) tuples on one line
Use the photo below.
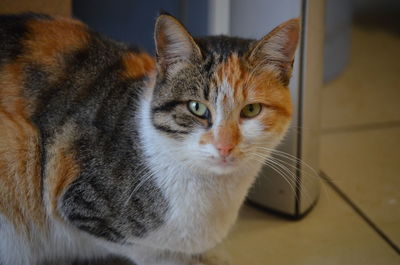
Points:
[(174, 44), (276, 50)]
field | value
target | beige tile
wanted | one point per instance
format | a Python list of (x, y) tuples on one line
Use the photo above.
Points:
[(332, 234), (366, 166), (368, 91)]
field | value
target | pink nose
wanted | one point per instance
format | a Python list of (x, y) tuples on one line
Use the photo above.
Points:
[(225, 150)]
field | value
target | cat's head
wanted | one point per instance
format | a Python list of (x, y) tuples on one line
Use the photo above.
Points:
[(221, 102)]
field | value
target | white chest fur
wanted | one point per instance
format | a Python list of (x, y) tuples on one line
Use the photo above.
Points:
[(58, 243)]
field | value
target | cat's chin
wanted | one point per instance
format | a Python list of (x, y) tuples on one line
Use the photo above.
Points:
[(222, 167), (222, 170)]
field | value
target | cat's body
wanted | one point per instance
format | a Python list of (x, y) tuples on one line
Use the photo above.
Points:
[(101, 152)]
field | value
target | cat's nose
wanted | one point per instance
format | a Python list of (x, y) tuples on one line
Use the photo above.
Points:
[(226, 138), (225, 150)]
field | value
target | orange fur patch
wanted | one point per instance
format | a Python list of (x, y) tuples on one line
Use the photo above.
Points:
[(11, 84), (257, 87), (228, 135), (266, 89), (20, 180), (234, 72), (137, 65), (50, 39), (20, 197)]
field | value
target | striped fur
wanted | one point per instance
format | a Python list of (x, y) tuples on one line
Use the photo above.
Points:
[(100, 154)]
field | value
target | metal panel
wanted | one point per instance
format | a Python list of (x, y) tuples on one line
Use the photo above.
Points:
[(312, 85)]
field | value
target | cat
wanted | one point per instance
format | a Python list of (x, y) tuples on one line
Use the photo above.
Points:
[(105, 150)]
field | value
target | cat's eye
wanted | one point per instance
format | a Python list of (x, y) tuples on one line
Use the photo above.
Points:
[(198, 109), (251, 110)]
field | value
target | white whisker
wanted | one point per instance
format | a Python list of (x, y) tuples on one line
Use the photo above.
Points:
[(280, 172), (307, 171)]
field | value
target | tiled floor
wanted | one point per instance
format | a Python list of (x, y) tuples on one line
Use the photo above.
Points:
[(365, 165), (332, 234), (360, 145), (367, 93), (360, 152)]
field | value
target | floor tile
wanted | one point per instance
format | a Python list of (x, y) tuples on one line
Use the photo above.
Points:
[(366, 166), (331, 234), (368, 91)]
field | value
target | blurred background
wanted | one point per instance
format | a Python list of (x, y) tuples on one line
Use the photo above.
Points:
[(346, 88)]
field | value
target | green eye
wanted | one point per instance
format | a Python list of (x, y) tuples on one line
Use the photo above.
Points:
[(251, 110), (198, 109)]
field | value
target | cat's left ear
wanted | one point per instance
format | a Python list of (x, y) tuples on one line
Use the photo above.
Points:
[(174, 44), (276, 50)]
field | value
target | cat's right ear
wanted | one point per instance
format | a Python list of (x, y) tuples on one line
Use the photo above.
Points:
[(174, 44), (276, 50)]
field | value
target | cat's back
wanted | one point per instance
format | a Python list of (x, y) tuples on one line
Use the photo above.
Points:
[(38, 37), (37, 47), (34, 51), (63, 90), (58, 78)]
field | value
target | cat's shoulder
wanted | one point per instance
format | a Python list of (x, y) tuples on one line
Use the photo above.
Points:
[(41, 36), (27, 25), (51, 40)]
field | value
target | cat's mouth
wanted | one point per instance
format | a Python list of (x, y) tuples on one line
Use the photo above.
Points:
[(225, 162)]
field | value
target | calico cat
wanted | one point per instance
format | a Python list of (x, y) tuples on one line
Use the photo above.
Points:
[(106, 150)]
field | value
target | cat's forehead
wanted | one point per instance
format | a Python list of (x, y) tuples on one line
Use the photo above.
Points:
[(223, 46), (229, 79), (234, 81), (223, 64)]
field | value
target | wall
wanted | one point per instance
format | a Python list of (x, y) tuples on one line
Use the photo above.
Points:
[(132, 21), (54, 7)]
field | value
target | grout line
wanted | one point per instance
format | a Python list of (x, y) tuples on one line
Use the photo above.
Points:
[(355, 128), (359, 212)]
